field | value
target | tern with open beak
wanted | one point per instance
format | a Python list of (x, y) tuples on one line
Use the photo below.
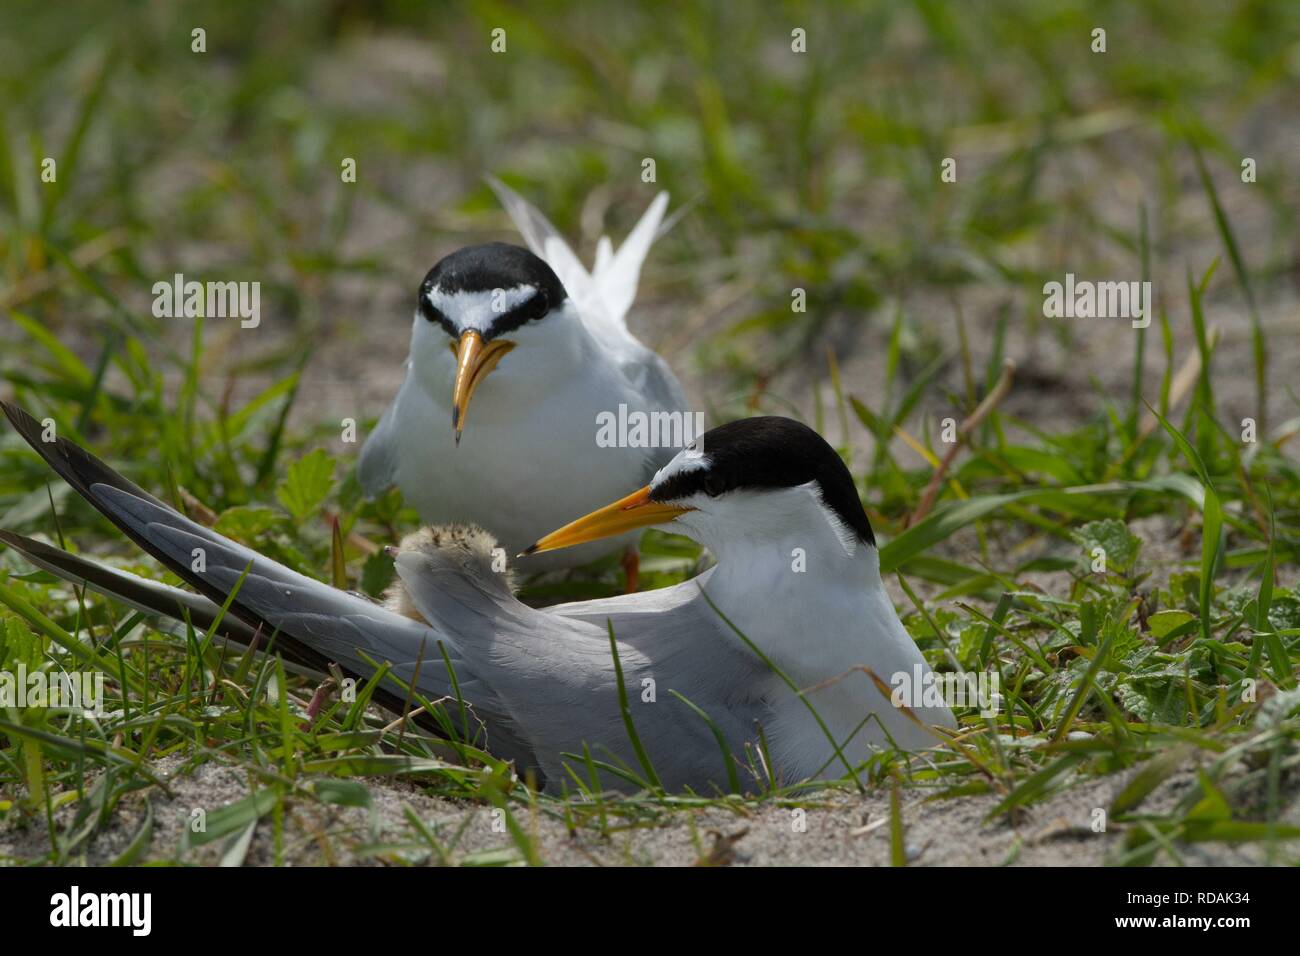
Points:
[(515, 355), (797, 575)]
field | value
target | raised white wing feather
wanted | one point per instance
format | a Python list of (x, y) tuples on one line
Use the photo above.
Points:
[(604, 295)]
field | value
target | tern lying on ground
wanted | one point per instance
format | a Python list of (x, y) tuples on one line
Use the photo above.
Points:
[(797, 574)]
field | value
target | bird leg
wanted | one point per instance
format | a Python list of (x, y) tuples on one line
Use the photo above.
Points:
[(631, 562)]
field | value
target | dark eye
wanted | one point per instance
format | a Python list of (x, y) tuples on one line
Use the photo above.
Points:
[(535, 307), (714, 485), (427, 309)]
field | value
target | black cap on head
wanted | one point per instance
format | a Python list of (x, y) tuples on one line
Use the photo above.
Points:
[(771, 452), (485, 268)]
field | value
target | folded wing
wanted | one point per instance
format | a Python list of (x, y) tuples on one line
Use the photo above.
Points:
[(315, 623), (554, 671)]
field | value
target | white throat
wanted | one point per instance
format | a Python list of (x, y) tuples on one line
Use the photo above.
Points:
[(535, 415), (788, 579), (820, 613)]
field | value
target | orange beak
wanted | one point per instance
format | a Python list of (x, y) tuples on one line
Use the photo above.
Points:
[(634, 511), (474, 359)]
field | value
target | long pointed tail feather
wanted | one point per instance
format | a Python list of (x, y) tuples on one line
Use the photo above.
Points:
[(150, 597), (617, 279), (542, 238), (613, 280), (310, 622)]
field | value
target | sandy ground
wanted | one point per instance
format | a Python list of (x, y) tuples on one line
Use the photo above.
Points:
[(833, 829)]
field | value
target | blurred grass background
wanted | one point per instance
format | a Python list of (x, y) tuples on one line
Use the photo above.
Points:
[(817, 171)]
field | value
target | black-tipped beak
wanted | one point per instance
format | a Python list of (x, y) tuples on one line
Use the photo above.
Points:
[(637, 510)]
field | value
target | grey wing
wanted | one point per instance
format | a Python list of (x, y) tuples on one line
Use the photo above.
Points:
[(340, 625), (377, 466), (317, 623), (336, 625), (554, 673), (151, 597), (656, 389), (658, 383)]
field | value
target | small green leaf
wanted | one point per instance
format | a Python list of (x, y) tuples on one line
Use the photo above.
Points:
[(1213, 805), (376, 573), (345, 793), (246, 523), (1155, 772), (1163, 622), (1114, 538), (307, 484), (233, 817)]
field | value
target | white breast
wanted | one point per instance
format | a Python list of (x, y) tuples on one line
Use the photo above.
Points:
[(528, 461), (822, 615)]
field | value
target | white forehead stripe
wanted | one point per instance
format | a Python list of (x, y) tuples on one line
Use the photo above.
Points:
[(476, 311), (686, 460)]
